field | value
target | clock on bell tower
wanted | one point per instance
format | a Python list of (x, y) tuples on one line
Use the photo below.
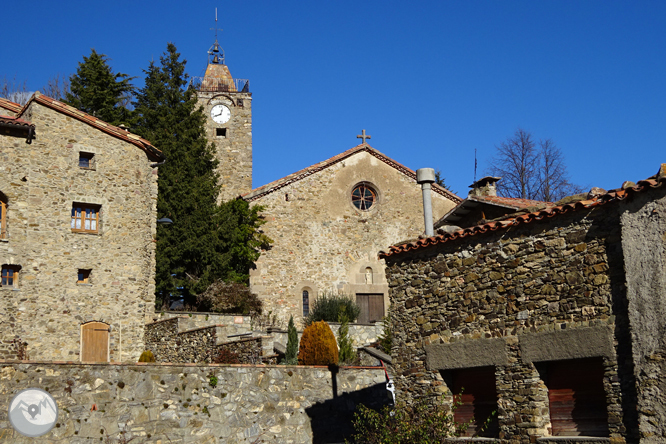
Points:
[(227, 103)]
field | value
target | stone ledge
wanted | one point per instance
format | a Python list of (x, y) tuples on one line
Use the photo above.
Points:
[(201, 328), (573, 440), (377, 354), (165, 320)]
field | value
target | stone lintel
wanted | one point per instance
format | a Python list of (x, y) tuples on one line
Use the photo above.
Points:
[(567, 344), (466, 354)]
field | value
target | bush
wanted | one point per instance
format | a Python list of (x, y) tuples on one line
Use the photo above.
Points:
[(291, 355), (347, 354), (225, 356), (420, 423), (386, 338), (229, 297), (147, 356), (318, 346), (327, 307)]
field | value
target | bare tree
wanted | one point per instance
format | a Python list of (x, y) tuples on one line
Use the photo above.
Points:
[(14, 90), (529, 171), (57, 87)]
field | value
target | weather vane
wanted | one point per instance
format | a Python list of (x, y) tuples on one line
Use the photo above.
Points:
[(215, 51)]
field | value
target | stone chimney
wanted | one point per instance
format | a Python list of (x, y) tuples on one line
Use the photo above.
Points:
[(484, 187)]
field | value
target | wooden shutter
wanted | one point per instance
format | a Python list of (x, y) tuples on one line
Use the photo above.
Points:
[(479, 399), (95, 342), (372, 307), (577, 398)]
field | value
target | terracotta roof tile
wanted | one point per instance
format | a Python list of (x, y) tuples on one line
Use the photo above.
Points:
[(513, 202), (11, 106), (16, 121), (619, 194), (302, 174), (114, 131)]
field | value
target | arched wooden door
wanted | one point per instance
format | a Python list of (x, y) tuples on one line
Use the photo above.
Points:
[(95, 342)]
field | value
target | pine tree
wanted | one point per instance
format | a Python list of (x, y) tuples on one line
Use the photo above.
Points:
[(207, 242), (95, 89), (168, 116), (291, 355), (347, 354)]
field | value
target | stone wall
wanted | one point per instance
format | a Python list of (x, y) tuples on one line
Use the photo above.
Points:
[(361, 334), (194, 404), (545, 291), (41, 181), (235, 323), (323, 243)]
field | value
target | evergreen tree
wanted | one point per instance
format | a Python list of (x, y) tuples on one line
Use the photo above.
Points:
[(207, 242), (291, 355), (95, 89), (347, 354)]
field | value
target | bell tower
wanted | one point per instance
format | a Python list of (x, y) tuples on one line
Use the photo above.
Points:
[(227, 104)]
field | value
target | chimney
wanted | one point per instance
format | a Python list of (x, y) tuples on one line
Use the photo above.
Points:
[(425, 177), (484, 187)]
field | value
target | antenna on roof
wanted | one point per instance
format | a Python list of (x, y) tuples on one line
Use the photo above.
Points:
[(215, 53), (474, 164)]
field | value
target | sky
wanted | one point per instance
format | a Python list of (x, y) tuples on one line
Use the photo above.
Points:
[(430, 81)]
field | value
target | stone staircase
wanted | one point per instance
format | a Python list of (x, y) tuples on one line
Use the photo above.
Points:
[(193, 339)]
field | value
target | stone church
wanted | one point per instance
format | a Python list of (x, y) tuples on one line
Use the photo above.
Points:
[(327, 221)]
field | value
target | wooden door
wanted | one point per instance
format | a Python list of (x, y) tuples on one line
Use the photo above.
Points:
[(95, 342), (372, 308), (577, 398), (479, 400)]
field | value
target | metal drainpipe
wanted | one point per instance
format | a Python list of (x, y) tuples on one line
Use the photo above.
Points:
[(425, 177)]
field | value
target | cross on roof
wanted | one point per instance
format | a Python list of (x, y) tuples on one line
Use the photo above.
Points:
[(363, 136)]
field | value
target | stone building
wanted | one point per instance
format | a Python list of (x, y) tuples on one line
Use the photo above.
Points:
[(553, 318), (328, 222), (78, 205)]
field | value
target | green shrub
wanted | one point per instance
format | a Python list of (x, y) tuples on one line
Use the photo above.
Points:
[(386, 338), (229, 297), (421, 423), (318, 346), (147, 356), (327, 307), (347, 354), (291, 355)]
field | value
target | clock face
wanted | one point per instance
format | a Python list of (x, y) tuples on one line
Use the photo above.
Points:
[(220, 114)]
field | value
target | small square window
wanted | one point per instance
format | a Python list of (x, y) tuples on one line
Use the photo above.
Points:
[(85, 218), (83, 276), (86, 160), (9, 277), (239, 103), (221, 132)]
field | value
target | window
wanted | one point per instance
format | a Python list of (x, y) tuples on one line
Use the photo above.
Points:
[(477, 390), (85, 218), (10, 276), (576, 396), (306, 303), (363, 197), (86, 160), (240, 103), (83, 276), (221, 132), (3, 217)]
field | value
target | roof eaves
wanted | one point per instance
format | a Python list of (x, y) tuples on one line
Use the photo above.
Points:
[(305, 172), (611, 196), (11, 106), (114, 131)]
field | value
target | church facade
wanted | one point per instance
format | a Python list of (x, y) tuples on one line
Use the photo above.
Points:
[(327, 222)]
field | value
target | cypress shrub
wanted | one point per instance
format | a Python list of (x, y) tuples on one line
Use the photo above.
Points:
[(318, 346), (347, 354), (291, 355)]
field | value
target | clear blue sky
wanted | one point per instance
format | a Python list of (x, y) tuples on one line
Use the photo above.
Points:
[(430, 81)]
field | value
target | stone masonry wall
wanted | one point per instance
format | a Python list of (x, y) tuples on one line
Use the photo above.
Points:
[(494, 299), (322, 243), (41, 181), (156, 403)]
